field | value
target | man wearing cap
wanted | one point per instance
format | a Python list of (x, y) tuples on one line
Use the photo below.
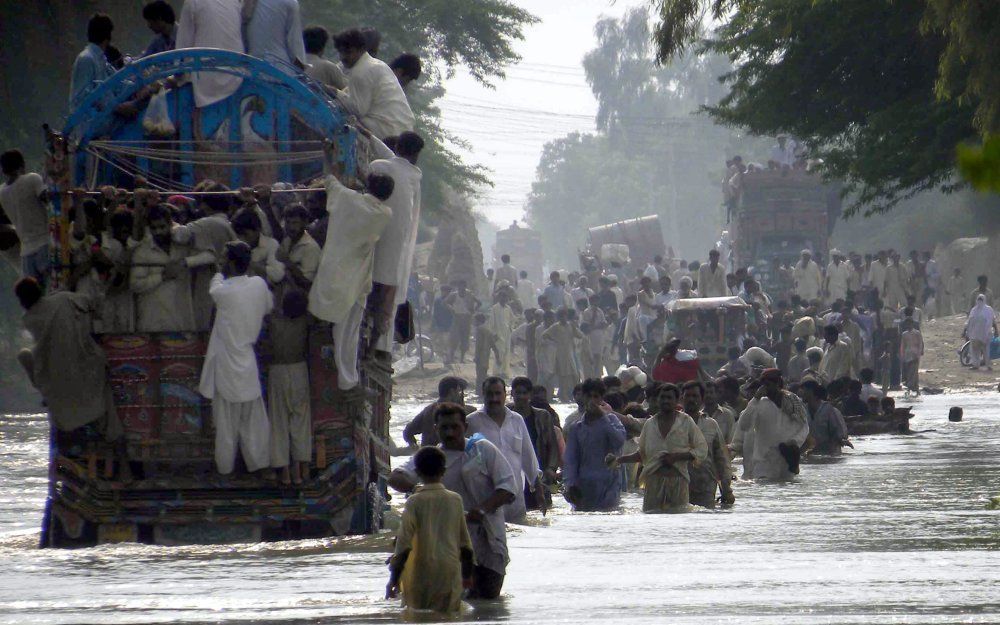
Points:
[(229, 376), (782, 153), (451, 389), (838, 274), (771, 430), (808, 277), (712, 277)]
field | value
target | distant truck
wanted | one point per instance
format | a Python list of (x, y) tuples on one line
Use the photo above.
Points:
[(524, 246), (780, 213), (642, 235)]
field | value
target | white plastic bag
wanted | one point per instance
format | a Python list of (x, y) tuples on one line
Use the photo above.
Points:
[(156, 121)]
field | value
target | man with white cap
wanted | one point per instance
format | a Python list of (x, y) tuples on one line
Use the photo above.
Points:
[(808, 277), (838, 274)]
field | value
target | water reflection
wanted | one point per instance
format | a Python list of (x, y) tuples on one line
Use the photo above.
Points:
[(894, 531)]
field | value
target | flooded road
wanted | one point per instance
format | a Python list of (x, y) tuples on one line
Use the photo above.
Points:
[(895, 531)]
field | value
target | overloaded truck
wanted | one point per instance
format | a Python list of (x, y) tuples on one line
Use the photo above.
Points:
[(780, 213), (524, 246), (274, 127), (642, 235)]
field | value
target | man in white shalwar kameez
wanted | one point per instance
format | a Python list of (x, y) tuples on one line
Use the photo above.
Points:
[(876, 273), (211, 24), (838, 356), (229, 376), (500, 324), (506, 429), (773, 419), (838, 275), (897, 281), (344, 278), (394, 250), (808, 277), (373, 92), (712, 277)]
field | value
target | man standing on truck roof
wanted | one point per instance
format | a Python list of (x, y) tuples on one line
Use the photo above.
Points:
[(808, 277), (712, 277), (273, 32)]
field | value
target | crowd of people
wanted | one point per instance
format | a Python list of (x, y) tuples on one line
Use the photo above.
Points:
[(826, 343), (509, 457), (649, 418), (856, 317), (278, 258)]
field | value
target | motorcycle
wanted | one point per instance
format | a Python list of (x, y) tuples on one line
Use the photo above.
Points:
[(965, 353)]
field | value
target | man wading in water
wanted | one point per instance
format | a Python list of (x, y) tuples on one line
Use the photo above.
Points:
[(506, 429), (771, 431), (669, 442), (715, 473), (478, 472)]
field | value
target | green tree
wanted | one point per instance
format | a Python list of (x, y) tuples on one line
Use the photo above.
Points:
[(632, 91), (864, 99), (477, 35), (981, 165), (653, 154), (968, 66)]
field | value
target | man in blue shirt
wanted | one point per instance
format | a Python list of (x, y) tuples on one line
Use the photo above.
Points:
[(91, 66), (555, 292), (590, 484), (274, 33)]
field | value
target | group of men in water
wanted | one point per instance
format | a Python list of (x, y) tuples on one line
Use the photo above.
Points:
[(275, 258), (801, 365)]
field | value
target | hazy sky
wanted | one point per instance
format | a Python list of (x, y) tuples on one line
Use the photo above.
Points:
[(544, 97)]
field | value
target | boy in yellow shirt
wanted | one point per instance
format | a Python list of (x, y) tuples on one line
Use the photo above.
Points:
[(433, 560)]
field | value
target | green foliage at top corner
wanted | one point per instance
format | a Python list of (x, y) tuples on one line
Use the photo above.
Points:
[(477, 35), (881, 90), (980, 165)]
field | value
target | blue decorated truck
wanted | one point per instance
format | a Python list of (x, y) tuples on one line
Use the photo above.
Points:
[(273, 128)]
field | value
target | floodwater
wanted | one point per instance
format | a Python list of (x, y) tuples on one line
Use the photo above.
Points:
[(894, 532)]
